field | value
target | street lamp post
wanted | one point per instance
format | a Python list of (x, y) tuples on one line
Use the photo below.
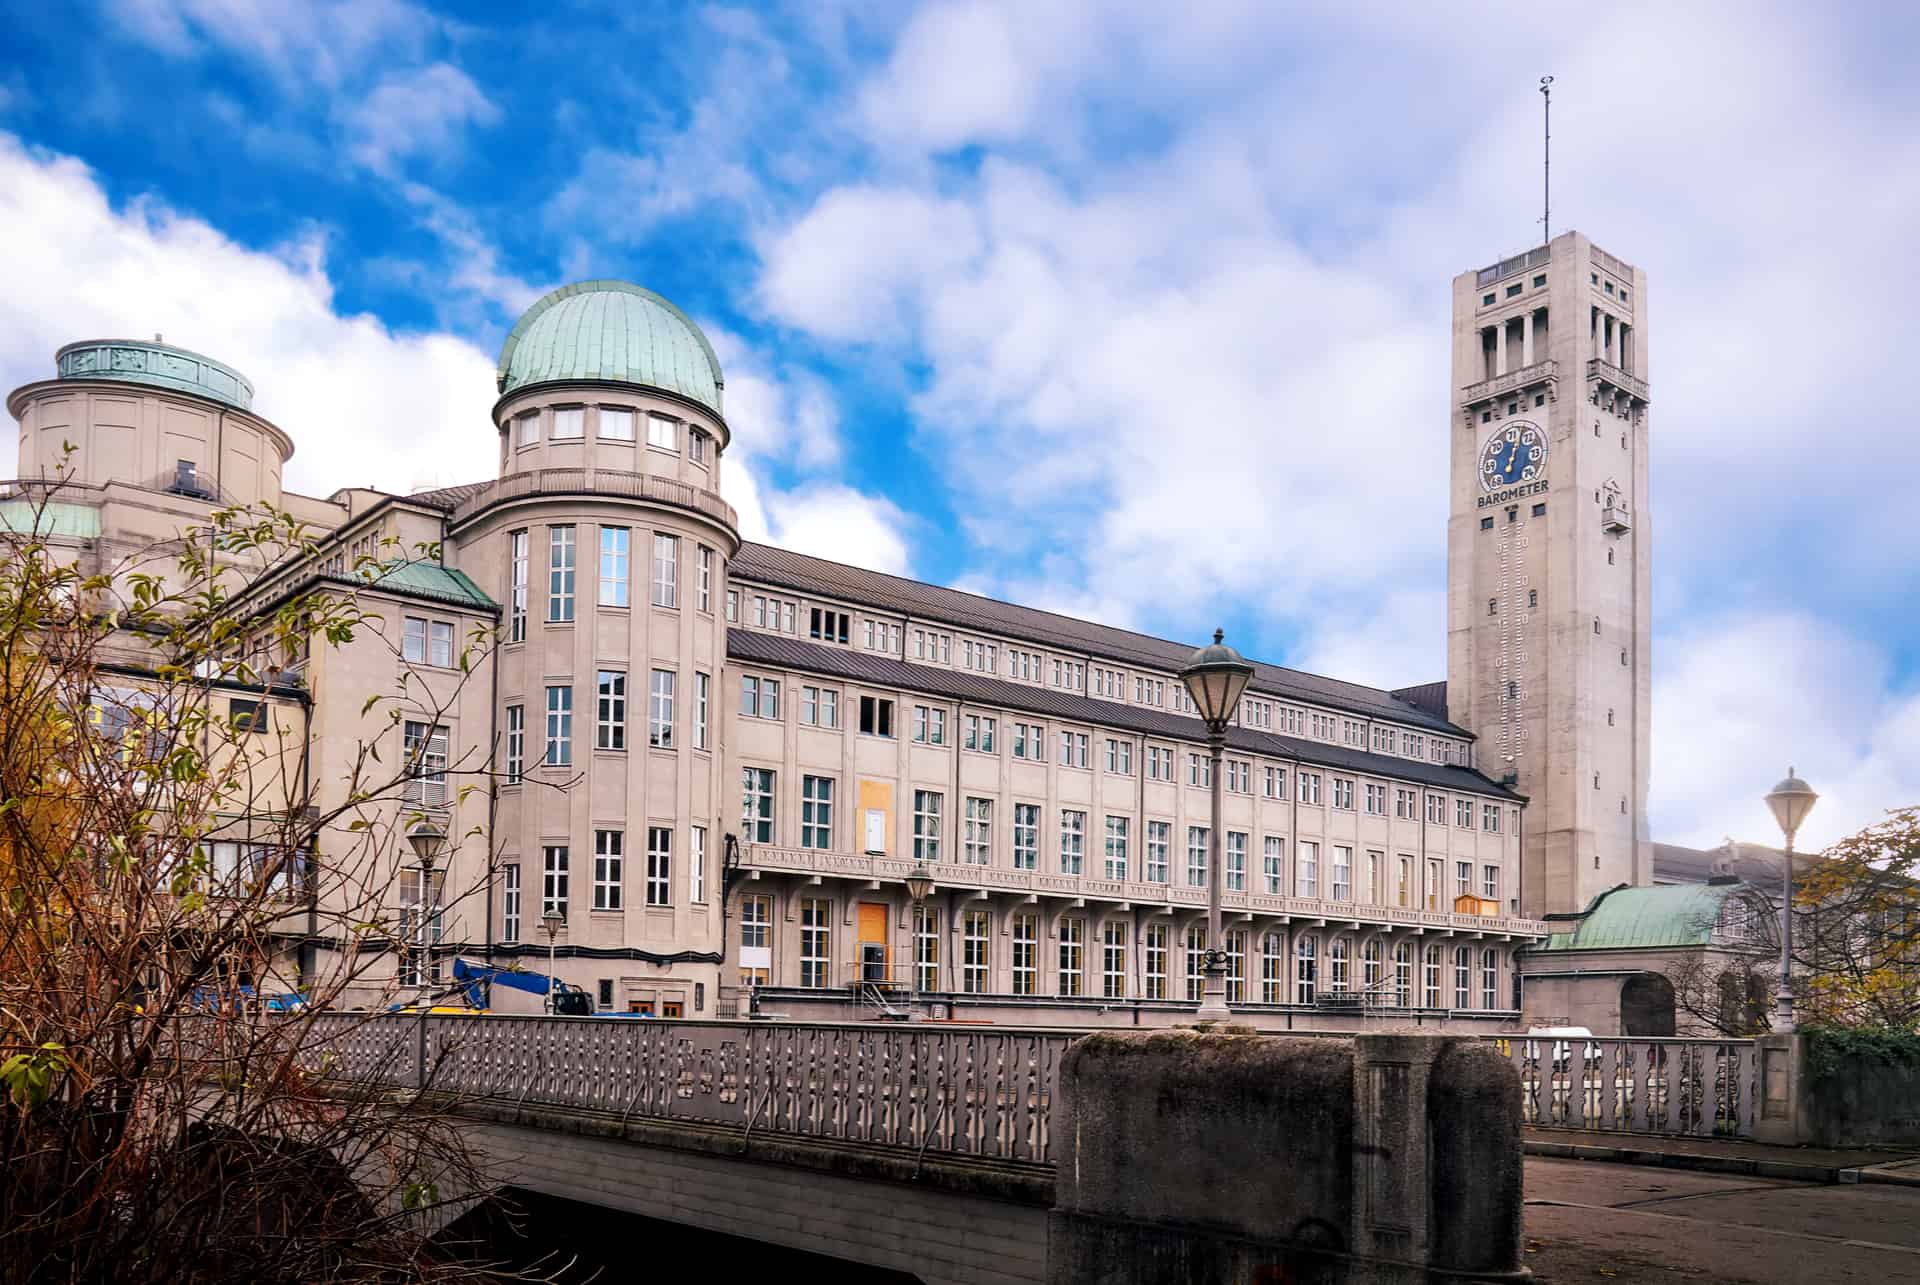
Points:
[(552, 921), (1216, 678), (426, 840), (1790, 801), (919, 885)]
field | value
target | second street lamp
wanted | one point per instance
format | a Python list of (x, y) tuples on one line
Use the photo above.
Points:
[(1216, 678), (919, 886), (1790, 801)]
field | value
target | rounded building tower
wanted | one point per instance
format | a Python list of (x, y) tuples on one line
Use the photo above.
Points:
[(607, 541)]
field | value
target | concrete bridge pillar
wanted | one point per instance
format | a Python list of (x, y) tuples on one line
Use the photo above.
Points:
[(1229, 1158)]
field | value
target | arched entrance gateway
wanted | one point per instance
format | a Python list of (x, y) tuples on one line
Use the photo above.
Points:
[(1646, 1005)]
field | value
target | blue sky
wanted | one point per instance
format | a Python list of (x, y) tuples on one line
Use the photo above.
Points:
[(1139, 317)]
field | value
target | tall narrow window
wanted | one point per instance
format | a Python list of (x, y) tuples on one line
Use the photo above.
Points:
[(704, 590), (1196, 856), (1116, 847), (977, 850), (616, 558), (510, 901), (553, 892), (976, 940), (1273, 968), (1431, 977), (1159, 845), (1026, 836), (560, 570), (816, 812), (660, 709), (1337, 978), (756, 804), (1154, 972), (1073, 949), (659, 866), (559, 726), (424, 746), (517, 586), (1273, 868), (1073, 841), (666, 570), (413, 640), (516, 743), (1403, 974), (1113, 959), (1306, 869), (1196, 953), (697, 864), (1342, 873), (1462, 977), (609, 874), (610, 717), (756, 938), (816, 941), (701, 684), (1236, 861), (926, 825), (1305, 966), (1490, 979), (1026, 949), (926, 947), (1236, 966)]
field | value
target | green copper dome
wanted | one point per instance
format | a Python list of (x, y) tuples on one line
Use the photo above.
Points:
[(612, 331), (134, 361)]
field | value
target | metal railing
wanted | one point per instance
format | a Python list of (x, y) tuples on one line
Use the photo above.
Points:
[(984, 1093), (1694, 1088)]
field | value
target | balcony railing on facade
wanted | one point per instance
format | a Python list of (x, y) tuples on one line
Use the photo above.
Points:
[(597, 482), (1130, 893), (1608, 375), (1540, 372), (1538, 257)]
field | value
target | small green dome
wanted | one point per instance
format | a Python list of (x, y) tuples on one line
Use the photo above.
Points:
[(612, 331)]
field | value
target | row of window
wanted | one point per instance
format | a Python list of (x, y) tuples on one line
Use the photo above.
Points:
[(820, 707), (609, 877), (613, 424), (833, 625), (1084, 964), (976, 834), (615, 574), (610, 719)]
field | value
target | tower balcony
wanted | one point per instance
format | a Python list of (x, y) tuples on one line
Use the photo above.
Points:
[(597, 483), (1615, 520), (1609, 379), (1527, 378)]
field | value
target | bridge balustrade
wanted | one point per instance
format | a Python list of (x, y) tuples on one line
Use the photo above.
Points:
[(1691, 1087), (985, 1093)]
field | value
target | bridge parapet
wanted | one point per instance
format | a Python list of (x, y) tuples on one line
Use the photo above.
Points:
[(946, 1091)]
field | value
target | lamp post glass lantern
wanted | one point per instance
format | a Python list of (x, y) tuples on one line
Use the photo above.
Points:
[(1215, 678), (919, 887), (552, 922), (426, 839), (1790, 801)]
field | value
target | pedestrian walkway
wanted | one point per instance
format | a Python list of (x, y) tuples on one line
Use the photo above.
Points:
[(1730, 1155)]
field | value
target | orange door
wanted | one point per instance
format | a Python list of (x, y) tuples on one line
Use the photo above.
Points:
[(872, 941)]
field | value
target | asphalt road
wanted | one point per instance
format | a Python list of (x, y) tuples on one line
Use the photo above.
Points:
[(1589, 1222)]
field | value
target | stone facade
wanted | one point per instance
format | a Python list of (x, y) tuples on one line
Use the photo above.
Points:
[(1548, 557), (718, 762)]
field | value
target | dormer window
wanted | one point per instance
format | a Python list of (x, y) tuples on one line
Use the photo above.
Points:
[(569, 423), (663, 433), (616, 425)]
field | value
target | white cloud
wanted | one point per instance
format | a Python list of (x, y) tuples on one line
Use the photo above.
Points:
[(421, 110), (1201, 368), (365, 405), (828, 520), (320, 46), (1740, 698)]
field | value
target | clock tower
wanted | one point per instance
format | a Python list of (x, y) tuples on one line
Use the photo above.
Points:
[(1548, 643)]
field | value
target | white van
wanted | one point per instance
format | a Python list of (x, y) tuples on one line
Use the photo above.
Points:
[(1562, 1038)]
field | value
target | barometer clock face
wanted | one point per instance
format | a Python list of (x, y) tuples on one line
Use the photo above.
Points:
[(1514, 454)]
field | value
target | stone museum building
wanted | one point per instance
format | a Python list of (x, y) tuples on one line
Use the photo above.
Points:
[(731, 776)]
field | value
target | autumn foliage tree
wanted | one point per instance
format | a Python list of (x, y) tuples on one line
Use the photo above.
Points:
[(156, 1124)]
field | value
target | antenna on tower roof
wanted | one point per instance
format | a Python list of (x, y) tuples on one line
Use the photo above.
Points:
[(1546, 175)]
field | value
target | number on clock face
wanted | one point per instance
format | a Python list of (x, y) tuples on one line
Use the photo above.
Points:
[(1514, 454)]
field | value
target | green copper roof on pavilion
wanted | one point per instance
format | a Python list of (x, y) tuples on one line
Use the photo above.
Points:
[(1653, 918), (431, 580), (612, 331), (134, 361)]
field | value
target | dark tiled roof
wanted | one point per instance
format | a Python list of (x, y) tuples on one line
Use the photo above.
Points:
[(953, 684), (446, 497), (797, 571), (1432, 697), (1757, 865)]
